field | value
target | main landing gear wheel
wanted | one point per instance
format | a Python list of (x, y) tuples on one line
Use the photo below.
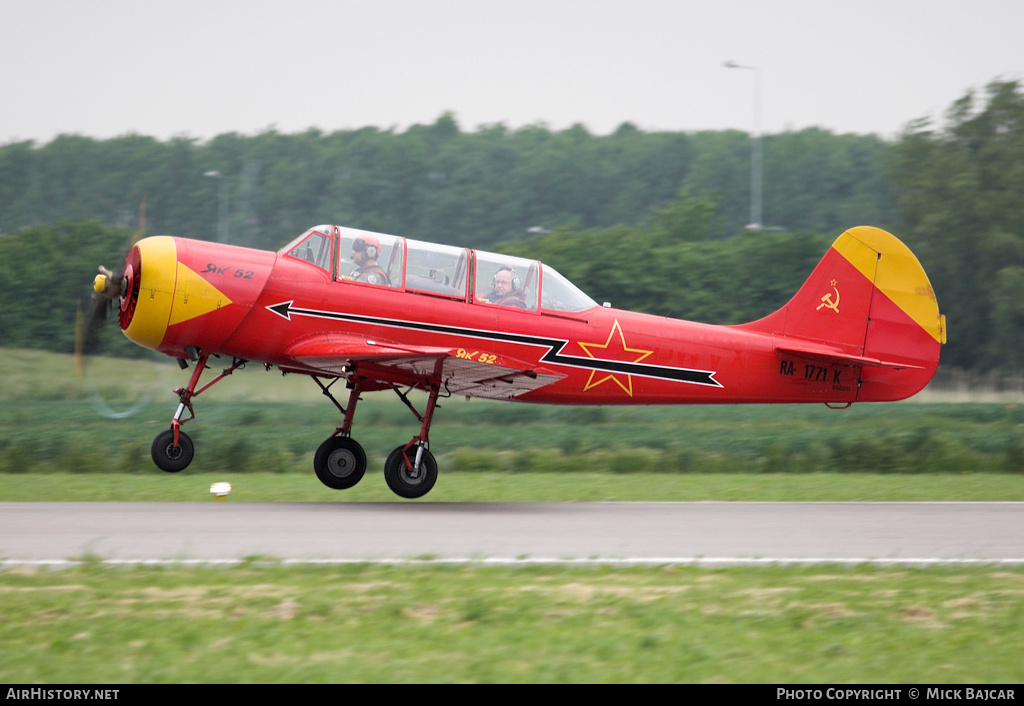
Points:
[(340, 462), (403, 480), (170, 457)]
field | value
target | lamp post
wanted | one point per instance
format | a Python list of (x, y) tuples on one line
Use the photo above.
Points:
[(756, 150), (222, 208)]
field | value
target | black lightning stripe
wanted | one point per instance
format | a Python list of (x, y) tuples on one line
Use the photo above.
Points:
[(554, 345)]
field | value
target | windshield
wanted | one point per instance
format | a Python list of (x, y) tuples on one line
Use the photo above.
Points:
[(313, 246), (562, 295)]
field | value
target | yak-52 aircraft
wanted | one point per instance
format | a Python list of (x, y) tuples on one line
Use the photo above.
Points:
[(382, 312)]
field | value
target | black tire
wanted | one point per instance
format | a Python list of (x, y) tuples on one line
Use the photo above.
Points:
[(400, 477), (340, 462), (167, 456)]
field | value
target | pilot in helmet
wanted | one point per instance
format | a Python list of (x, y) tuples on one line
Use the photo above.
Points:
[(365, 251)]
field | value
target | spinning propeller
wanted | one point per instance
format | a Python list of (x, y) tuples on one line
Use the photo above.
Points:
[(109, 286)]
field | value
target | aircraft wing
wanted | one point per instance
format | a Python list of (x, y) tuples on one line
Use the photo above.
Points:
[(473, 373)]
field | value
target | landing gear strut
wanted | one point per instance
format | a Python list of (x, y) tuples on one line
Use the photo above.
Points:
[(172, 449), (340, 462), (411, 470)]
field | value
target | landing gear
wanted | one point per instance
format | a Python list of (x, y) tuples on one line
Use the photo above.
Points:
[(340, 462), (410, 470), (170, 455), (172, 449)]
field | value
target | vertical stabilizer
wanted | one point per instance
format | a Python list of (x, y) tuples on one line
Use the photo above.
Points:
[(867, 305)]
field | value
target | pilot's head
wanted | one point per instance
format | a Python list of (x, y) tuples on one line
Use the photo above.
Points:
[(365, 248), (505, 281)]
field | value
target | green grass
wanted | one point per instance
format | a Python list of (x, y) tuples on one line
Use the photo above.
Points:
[(362, 623), (156, 486)]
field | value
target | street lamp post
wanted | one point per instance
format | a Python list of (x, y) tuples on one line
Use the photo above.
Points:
[(756, 150)]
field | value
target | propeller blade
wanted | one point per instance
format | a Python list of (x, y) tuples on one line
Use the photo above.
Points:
[(140, 223), (137, 233), (80, 342), (85, 331)]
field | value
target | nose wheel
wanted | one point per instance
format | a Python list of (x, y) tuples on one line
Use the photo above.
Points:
[(170, 456), (172, 449)]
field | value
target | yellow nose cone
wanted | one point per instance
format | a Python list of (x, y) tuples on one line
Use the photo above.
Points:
[(158, 258), (99, 284)]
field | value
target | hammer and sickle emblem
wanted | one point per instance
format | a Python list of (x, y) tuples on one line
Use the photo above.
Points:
[(826, 301)]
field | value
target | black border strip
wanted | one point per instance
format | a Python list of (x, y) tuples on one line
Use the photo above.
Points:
[(554, 345)]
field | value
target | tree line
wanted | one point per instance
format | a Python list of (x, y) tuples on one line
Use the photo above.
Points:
[(437, 182), (649, 221)]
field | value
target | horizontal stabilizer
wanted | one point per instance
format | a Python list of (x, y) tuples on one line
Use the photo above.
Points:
[(830, 355)]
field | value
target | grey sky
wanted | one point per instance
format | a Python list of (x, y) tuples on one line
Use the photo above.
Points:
[(203, 67)]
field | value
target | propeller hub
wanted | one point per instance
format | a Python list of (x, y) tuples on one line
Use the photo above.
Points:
[(99, 284), (127, 284)]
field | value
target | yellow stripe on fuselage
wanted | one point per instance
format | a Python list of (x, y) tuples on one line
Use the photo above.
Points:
[(194, 296), (897, 274)]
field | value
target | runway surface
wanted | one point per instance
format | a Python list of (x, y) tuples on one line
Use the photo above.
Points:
[(708, 533)]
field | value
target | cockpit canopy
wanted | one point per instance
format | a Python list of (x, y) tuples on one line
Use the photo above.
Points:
[(476, 276)]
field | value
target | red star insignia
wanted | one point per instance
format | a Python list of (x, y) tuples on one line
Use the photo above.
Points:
[(615, 349)]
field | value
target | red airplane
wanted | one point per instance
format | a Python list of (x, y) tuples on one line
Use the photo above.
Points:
[(383, 312)]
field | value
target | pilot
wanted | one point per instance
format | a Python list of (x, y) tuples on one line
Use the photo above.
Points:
[(365, 251), (505, 289)]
